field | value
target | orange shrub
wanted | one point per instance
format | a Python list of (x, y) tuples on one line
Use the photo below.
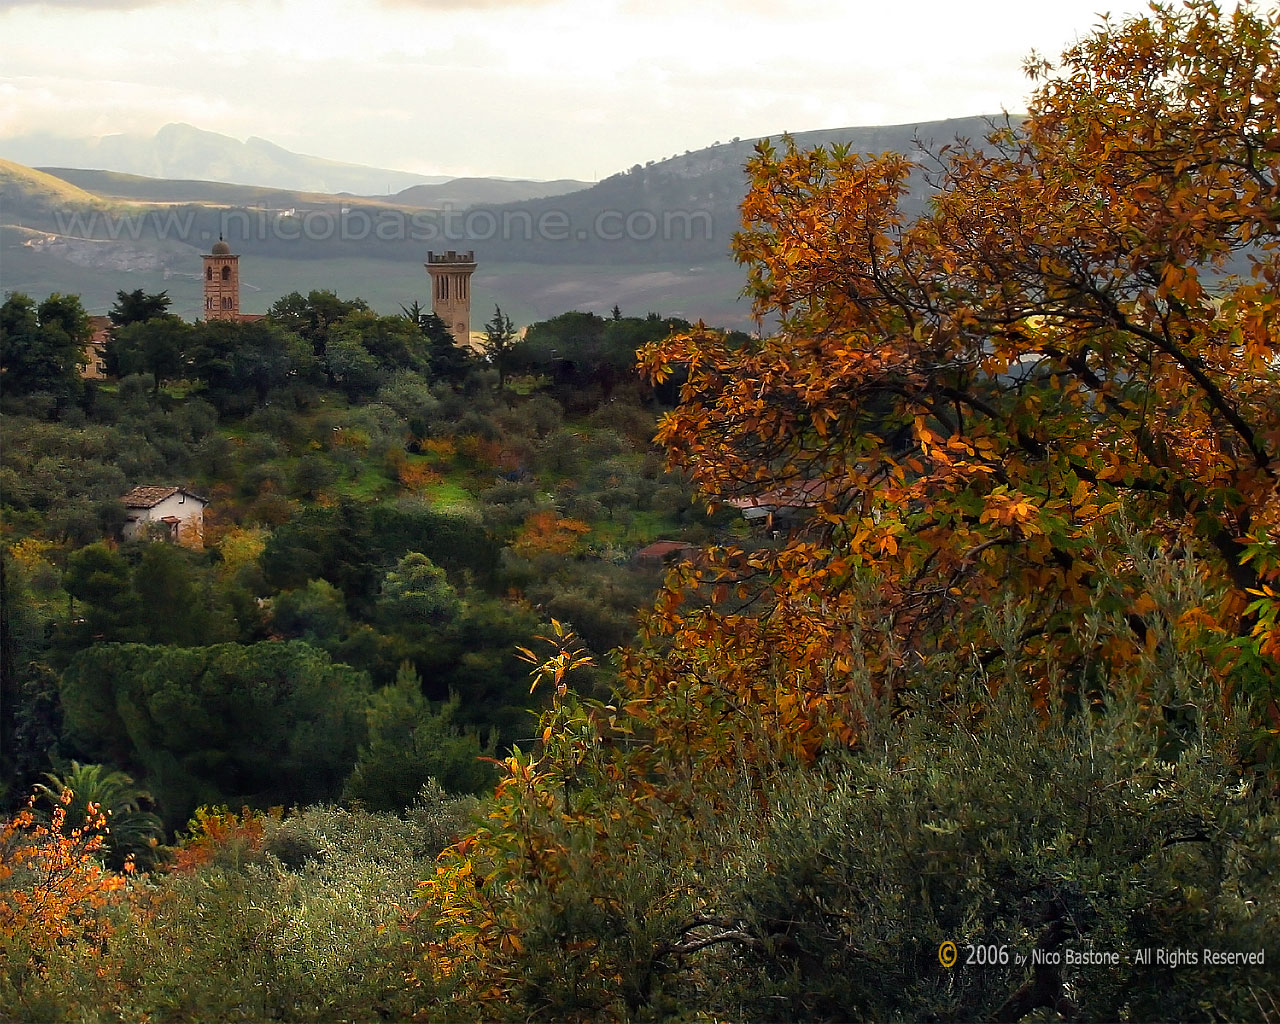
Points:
[(545, 533), (415, 476), (218, 834), (53, 890), (440, 449)]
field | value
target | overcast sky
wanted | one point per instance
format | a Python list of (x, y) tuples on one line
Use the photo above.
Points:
[(521, 88)]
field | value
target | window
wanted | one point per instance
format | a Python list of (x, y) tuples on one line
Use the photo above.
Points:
[(208, 273), (226, 273)]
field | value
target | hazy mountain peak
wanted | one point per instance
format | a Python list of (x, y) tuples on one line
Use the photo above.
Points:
[(180, 150)]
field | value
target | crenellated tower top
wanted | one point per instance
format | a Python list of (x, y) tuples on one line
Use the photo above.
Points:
[(451, 290)]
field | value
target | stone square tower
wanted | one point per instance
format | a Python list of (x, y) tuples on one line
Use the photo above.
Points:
[(221, 283), (451, 291)]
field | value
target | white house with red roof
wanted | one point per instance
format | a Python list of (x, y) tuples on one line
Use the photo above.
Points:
[(165, 513)]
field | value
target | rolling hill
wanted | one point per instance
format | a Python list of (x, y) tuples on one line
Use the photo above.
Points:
[(143, 189), (685, 209), (454, 192), (471, 191), (22, 187)]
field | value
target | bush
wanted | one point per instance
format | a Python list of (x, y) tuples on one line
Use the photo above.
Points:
[(265, 724), (293, 917), (733, 879)]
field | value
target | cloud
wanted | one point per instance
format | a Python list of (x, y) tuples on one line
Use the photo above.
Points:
[(538, 88), (463, 5), (84, 5)]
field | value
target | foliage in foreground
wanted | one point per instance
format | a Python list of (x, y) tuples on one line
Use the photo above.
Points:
[(1011, 679), (617, 879), (264, 916)]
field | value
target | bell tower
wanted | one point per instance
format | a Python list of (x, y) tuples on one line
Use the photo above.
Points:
[(221, 283), (451, 291)]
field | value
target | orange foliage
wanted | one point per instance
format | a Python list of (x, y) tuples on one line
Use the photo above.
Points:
[(441, 449), (53, 890), (977, 395), (972, 400), (545, 533), (216, 831), (482, 454), (415, 476), (469, 898)]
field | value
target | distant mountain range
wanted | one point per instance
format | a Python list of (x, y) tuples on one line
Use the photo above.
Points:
[(181, 151), (657, 237)]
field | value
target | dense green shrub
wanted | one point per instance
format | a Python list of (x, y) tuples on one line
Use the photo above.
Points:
[(972, 809)]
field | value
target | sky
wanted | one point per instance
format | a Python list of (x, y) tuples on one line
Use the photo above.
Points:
[(518, 88)]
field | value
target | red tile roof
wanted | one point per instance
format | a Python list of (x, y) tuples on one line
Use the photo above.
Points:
[(150, 497), (805, 495), (659, 550)]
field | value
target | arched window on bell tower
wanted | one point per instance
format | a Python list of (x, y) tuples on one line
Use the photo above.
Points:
[(221, 283)]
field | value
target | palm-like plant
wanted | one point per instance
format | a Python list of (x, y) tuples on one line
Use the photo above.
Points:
[(131, 830)]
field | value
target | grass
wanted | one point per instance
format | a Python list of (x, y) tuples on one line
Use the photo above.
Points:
[(639, 528), (25, 184), (449, 495), (370, 483)]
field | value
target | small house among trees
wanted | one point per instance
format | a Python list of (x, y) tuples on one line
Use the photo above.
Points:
[(165, 513), (781, 506)]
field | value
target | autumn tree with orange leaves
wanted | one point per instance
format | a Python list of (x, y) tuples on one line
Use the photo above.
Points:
[(1012, 675), (56, 897), (1081, 337)]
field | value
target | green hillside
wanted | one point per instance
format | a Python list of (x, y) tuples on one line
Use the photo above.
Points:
[(456, 192), (469, 191)]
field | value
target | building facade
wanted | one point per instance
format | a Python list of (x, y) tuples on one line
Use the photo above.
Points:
[(95, 352)]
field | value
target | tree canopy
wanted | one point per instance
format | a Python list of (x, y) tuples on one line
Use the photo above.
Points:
[(267, 722), (42, 345), (976, 403), (138, 306)]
